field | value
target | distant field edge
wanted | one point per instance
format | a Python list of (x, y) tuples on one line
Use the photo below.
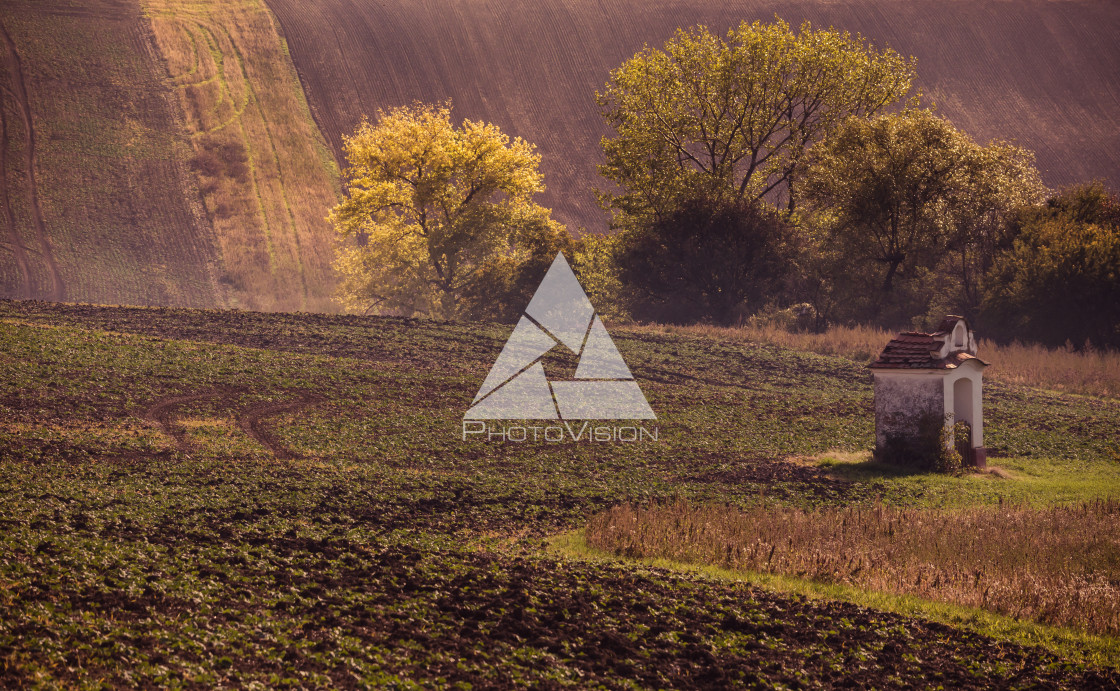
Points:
[(164, 308), (1074, 646)]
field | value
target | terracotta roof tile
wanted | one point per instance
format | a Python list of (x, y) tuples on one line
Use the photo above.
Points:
[(912, 350)]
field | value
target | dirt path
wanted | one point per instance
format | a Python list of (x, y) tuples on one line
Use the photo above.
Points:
[(162, 412), (18, 92), (250, 422)]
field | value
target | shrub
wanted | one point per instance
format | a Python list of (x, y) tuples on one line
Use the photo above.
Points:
[(709, 260)]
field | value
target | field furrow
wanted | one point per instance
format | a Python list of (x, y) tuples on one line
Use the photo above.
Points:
[(1043, 73), (17, 90)]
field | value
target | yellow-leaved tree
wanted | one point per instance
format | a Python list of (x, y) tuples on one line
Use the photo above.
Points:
[(439, 220)]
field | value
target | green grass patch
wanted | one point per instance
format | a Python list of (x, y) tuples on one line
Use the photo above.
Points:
[(1039, 481)]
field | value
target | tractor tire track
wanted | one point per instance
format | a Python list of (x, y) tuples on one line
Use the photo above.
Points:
[(18, 92), (250, 422), (162, 413), (18, 249)]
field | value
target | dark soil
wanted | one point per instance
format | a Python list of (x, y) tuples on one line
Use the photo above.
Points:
[(373, 547)]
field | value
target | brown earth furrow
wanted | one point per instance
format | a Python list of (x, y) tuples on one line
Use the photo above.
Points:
[(57, 291), (1042, 73), (22, 266), (162, 413), (249, 420)]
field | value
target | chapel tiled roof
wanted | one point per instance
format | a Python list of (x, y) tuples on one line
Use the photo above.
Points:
[(912, 350), (947, 324)]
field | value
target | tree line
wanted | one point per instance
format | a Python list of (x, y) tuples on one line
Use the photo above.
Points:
[(769, 174)]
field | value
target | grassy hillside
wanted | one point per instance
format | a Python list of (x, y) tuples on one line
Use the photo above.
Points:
[(1045, 73), (266, 175), (159, 152), (98, 202), (230, 497)]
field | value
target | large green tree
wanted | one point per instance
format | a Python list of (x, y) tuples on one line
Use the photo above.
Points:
[(733, 117), (1060, 279), (905, 204), (998, 182), (439, 220)]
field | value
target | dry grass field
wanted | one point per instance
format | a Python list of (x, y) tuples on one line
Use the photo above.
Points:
[(1056, 565), (264, 170), (1041, 72), (1091, 372)]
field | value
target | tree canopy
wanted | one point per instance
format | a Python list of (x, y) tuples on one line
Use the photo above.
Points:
[(710, 259), (898, 196), (1059, 281), (733, 117), (439, 220)]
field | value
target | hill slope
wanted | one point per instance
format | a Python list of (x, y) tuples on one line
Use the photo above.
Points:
[(98, 202), (1045, 73), (159, 152), (264, 170), (163, 152)]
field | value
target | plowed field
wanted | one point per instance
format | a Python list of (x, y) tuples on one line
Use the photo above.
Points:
[(1045, 73), (98, 202), (229, 499), (159, 152)]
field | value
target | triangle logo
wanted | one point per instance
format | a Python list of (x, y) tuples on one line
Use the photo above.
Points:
[(559, 314)]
